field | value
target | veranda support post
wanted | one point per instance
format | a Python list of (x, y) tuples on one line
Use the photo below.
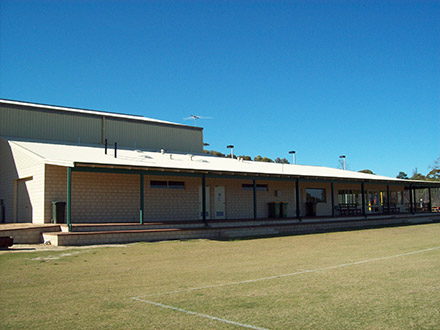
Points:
[(388, 199), (364, 213), (254, 185), (204, 198), (141, 200), (69, 198), (333, 198), (430, 201), (298, 213)]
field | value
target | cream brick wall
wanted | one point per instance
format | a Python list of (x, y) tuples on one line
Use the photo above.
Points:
[(172, 204), (240, 203), (96, 197), (18, 163), (55, 188)]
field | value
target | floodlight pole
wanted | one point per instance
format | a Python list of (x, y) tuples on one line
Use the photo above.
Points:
[(292, 152), (343, 157), (232, 150)]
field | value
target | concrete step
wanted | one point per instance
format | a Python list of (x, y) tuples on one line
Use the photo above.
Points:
[(173, 224)]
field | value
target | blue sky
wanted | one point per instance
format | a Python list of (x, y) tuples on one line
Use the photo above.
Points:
[(324, 78)]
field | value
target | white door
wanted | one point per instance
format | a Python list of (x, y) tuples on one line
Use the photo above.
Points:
[(219, 202), (201, 203)]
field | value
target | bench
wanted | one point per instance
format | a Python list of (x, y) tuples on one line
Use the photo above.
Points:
[(349, 209)]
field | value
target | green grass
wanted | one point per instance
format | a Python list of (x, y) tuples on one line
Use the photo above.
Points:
[(92, 288)]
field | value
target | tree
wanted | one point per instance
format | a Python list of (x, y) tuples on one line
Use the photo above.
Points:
[(366, 171), (245, 157), (402, 175), (417, 176), (434, 174), (258, 158), (217, 153), (267, 160)]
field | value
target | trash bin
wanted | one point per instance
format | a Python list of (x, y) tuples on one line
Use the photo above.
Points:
[(274, 210), (58, 211), (311, 209), (283, 210)]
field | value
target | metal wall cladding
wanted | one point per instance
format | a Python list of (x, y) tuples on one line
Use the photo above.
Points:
[(147, 135), (40, 124), (71, 127)]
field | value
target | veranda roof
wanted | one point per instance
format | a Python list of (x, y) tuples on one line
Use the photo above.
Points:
[(94, 156)]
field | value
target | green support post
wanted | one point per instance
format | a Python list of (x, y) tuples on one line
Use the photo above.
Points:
[(298, 211), (141, 199), (430, 201), (388, 199), (333, 199), (255, 198), (69, 198), (363, 199), (204, 199)]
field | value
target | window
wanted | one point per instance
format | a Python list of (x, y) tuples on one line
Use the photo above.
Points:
[(349, 197), (167, 184), (250, 186), (396, 197), (176, 185), (315, 195), (158, 184)]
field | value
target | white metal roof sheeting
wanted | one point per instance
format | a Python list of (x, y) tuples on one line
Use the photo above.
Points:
[(69, 155), (92, 112)]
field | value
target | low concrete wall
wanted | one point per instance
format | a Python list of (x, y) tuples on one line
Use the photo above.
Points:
[(29, 235)]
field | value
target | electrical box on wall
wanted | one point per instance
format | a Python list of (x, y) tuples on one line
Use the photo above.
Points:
[(277, 193)]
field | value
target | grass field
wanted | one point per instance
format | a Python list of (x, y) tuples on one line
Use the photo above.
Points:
[(385, 278)]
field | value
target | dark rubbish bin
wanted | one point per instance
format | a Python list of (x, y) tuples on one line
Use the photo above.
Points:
[(311, 209), (58, 211), (283, 210), (274, 210)]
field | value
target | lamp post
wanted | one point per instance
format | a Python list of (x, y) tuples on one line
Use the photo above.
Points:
[(232, 150), (294, 156), (343, 157)]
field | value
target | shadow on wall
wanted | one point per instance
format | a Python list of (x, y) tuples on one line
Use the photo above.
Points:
[(16, 205)]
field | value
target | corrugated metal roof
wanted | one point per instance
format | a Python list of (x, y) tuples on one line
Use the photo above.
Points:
[(92, 112), (69, 155)]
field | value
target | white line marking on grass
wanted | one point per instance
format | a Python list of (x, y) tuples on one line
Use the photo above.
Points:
[(291, 274), (199, 314)]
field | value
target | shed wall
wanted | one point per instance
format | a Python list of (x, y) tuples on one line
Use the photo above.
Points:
[(72, 127)]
